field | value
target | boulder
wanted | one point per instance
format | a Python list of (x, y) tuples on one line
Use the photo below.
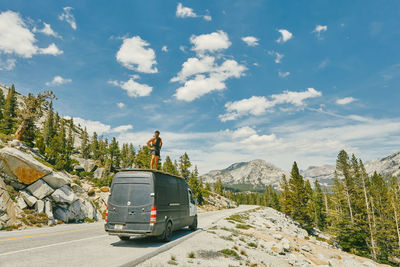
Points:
[(40, 189), (57, 179), (21, 203), (14, 143), (105, 189), (29, 199), (77, 211), (64, 194), (21, 167), (48, 209), (99, 172), (78, 168), (39, 206), (88, 165), (8, 210), (77, 189)]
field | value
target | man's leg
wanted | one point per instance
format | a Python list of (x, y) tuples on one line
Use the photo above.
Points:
[(152, 162), (156, 161)]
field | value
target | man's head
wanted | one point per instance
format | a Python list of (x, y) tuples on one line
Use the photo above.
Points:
[(157, 133)]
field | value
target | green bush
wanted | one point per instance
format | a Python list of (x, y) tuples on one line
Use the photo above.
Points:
[(229, 252)]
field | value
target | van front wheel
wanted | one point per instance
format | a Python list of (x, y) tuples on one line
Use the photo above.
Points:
[(193, 226), (123, 237), (166, 236)]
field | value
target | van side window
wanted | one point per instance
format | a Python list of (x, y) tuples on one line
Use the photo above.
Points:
[(191, 198)]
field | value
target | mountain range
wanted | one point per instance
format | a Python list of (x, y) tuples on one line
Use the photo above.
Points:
[(256, 174)]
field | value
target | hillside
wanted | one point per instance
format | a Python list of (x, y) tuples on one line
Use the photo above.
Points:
[(258, 173)]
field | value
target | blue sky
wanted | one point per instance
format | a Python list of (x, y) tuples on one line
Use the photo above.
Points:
[(225, 81)]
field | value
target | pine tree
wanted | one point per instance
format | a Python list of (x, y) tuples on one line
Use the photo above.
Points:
[(285, 196), (114, 153), (48, 129), (195, 186), (218, 187), (2, 100), (9, 112), (94, 146), (85, 148), (169, 167), (319, 207), (184, 166), (143, 158)]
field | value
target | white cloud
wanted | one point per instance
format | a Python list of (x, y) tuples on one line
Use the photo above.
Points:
[(120, 105), (122, 128), (91, 126), (52, 49), (285, 36), (319, 29), (243, 132), (258, 105), (345, 101), (17, 39), (7, 64), (283, 74), (212, 42), (164, 48), (208, 77), (185, 12), (58, 80), (68, 17), (47, 30), (134, 55), (250, 40), (182, 48), (133, 88), (207, 17), (278, 56)]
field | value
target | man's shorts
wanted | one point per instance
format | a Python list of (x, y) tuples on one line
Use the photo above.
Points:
[(155, 152)]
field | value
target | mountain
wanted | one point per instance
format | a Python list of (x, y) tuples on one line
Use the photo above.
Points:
[(324, 174), (386, 166), (257, 173)]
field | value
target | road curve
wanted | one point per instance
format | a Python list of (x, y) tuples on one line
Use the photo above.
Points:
[(89, 245)]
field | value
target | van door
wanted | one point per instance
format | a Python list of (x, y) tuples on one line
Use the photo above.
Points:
[(192, 204), (117, 208), (139, 204)]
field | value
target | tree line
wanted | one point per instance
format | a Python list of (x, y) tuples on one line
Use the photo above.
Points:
[(361, 211)]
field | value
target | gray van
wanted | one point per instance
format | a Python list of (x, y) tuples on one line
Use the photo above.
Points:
[(149, 202)]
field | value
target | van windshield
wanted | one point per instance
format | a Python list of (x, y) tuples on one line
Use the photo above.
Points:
[(137, 194)]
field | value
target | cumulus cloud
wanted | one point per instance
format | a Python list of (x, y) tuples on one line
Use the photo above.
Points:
[(345, 101), (122, 128), (164, 48), (258, 105), (133, 88), (134, 55), (47, 30), (320, 29), (7, 64), (212, 42), (250, 40), (58, 80), (185, 12), (207, 17), (68, 17), (278, 56), (52, 49), (17, 39), (120, 105), (283, 74), (285, 36), (202, 76)]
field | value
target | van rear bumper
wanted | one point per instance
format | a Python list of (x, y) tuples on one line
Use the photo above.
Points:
[(132, 229)]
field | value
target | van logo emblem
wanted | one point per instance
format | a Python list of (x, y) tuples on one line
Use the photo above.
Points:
[(128, 203)]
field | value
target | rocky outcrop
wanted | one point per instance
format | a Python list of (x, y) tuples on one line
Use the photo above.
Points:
[(87, 165), (215, 201), (8, 209), (77, 211), (21, 168), (57, 179), (40, 189)]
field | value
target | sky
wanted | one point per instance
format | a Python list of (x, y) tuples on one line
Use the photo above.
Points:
[(225, 81)]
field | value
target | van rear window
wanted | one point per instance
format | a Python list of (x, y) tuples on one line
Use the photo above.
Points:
[(137, 194)]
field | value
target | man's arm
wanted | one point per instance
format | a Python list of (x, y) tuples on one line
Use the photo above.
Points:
[(148, 143), (160, 143)]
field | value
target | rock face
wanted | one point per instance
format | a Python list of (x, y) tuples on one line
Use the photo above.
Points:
[(77, 211), (64, 195), (40, 189), (21, 167), (255, 172), (87, 164), (29, 199), (8, 210), (57, 179), (219, 201), (324, 174), (386, 166)]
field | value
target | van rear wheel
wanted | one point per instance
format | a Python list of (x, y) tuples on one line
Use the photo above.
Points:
[(193, 226), (123, 237), (166, 236)]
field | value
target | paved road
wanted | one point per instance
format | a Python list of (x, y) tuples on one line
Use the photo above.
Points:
[(88, 244)]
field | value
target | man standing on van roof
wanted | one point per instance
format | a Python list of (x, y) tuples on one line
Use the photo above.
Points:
[(155, 145)]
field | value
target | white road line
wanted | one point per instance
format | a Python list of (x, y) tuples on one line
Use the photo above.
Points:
[(46, 246)]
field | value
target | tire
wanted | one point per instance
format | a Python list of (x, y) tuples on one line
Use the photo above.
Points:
[(124, 237), (193, 226), (166, 236)]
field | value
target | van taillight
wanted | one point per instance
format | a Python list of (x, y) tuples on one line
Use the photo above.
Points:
[(153, 215), (107, 213)]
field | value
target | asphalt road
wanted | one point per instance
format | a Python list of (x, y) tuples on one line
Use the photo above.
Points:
[(89, 245)]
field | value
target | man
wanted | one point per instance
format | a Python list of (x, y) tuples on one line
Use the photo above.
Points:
[(155, 145)]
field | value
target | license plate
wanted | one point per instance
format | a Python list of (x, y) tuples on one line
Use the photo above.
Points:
[(118, 227)]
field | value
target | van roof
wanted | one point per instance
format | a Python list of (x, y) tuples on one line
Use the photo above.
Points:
[(149, 170)]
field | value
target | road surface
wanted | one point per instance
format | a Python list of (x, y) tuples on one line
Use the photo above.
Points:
[(89, 245)]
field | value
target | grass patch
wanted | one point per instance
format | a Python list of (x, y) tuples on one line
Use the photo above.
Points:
[(191, 255), (237, 218), (235, 248), (252, 244), (11, 192), (243, 226), (229, 252), (88, 220), (228, 238), (171, 262), (243, 253), (5, 138), (211, 232), (78, 182), (44, 162), (10, 227), (173, 258), (33, 218)]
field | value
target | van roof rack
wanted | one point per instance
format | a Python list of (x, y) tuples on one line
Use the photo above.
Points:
[(148, 170)]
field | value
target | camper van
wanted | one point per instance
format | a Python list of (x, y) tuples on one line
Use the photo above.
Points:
[(149, 202)]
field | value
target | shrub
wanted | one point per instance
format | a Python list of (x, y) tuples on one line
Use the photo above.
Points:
[(44, 162), (252, 244), (191, 255), (243, 226), (230, 252), (243, 253)]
